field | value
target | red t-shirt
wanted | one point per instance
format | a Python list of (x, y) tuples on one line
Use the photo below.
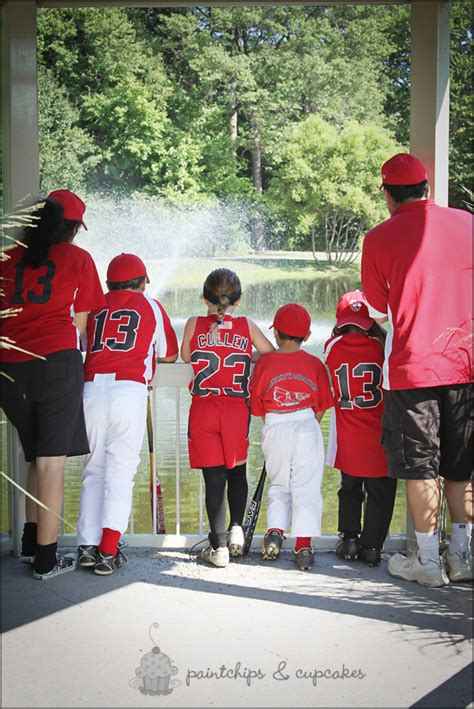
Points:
[(48, 296), (221, 367), (355, 432), (417, 270), (286, 382), (127, 336)]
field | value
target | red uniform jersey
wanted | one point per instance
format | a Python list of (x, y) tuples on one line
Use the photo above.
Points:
[(221, 361), (417, 270), (355, 363), (48, 296), (127, 336), (284, 382)]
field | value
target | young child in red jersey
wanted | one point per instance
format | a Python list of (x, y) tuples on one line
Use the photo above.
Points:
[(290, 389), (124, 340), (219, 347), (354, 357)]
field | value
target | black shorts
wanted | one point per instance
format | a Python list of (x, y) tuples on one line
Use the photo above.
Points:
[(428, 432), (44, 403)]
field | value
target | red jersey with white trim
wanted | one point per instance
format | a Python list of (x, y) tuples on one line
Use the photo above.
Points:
[(284, 382), (221, 361), (127, 336), (48, 296), (355, 430), (417, 270)]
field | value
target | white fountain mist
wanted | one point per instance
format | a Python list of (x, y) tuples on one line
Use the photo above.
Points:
[(163, 234)]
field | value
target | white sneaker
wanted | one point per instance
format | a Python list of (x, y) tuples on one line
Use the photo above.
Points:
[(218, 557), (235, 540), (459, 565), (410, 568)]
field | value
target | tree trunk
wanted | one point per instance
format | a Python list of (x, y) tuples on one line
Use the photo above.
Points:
[(256, 156), (233, 115), (313, 243), (258, 230)]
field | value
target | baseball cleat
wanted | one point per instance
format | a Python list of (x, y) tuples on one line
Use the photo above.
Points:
[(410, 568), (235, 540), (348, 548), (64, 564), (372, 556), (304, 558), (217, 557), (87, 555), (272, 544), (106, 564), (459, 566)]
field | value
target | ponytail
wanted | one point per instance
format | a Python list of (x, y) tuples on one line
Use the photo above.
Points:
[(222, 288), (48, 227)]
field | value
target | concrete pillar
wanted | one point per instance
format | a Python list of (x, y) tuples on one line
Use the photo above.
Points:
[(20, 171), (429, 124)]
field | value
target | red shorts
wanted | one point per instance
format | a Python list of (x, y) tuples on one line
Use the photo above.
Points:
[(218, 431)]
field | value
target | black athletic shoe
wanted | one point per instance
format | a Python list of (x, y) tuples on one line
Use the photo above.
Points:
[(372, 556), (304, 558), (64, 564), (87, 555), (272, 544), (348, 549), (106, 564)]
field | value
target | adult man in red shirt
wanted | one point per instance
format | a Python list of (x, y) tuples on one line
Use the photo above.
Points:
[(416, 274)]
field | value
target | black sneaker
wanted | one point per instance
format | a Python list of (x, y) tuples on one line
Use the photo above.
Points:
[(372, 556), (87, 555), (348, 548), (64, 564), (272, 543), (106, 564), (304, 558)]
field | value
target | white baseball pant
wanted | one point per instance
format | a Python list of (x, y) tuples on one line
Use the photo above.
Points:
[(294, 456), (115, 413)]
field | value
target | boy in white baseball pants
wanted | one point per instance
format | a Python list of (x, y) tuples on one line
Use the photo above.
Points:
[(290, 389), (124, 340)]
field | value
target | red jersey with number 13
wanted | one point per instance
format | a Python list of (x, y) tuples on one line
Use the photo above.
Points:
[(355, 364), (221, 360), (127, 336)]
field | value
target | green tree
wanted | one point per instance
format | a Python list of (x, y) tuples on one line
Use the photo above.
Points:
[(67, 152), (328, 183)]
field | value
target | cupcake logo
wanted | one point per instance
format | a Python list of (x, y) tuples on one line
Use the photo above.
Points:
[(155, 671)]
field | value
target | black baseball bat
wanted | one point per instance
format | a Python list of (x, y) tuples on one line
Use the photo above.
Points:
[(252, 512)]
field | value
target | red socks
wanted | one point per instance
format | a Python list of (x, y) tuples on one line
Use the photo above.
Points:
[(109, 542), (302, 543)]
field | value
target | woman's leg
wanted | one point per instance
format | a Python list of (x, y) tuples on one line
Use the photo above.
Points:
[(215, 479)]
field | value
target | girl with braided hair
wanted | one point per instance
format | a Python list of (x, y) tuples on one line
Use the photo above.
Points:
[(219, 348)]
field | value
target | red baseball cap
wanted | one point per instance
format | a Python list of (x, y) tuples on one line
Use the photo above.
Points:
[(293, 320), (352, 310), (72, 205), (403, 169), (126, 267)]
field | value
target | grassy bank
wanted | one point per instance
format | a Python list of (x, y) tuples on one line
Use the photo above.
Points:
[(261, 268)]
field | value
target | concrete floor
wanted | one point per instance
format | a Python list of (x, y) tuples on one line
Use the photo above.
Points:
[(339, 636)]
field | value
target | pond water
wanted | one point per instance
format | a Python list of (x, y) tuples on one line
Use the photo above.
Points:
[(259, 302)]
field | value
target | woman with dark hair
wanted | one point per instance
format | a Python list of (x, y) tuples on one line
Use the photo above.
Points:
[(52, 285)]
